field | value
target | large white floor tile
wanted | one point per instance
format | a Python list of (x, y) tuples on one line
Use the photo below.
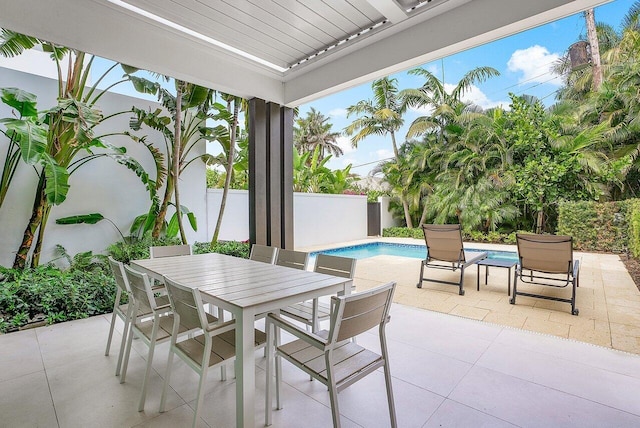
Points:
[(527, 404), (453, 414), (26, 402), (19, 355)]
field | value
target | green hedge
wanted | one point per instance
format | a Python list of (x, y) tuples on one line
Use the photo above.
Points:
[(473, 236), (600, 226)]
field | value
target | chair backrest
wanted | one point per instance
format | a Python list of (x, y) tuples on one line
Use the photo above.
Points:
[(545, 253), (187, 304), (444, 242), (335, 265), (119, 274), (169, 251), (292, 259), (141, 290), (263, 253), (359, 312)]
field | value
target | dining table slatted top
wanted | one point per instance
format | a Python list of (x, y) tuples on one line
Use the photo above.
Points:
[(237, 281)]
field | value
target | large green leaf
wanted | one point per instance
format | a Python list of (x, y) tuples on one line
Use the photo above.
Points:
[(143, 85), (57, 180), (22, 101), (195, 96), (31, 137), (81, 219), (13, 44), (173, 227)]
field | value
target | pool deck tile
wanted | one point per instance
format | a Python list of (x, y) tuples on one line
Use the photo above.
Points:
[(608, 299)]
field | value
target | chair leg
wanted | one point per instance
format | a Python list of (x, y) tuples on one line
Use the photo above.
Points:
[(392, 407), (125, 330), (113, 323), (167, 379), (203, 379), (125, 362), (461, 291), (147, 372), (574, 310), (333, 398)]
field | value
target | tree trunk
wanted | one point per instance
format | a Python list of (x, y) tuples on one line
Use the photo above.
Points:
[(423, 216), (177, 152), (162, 211), (35, 259), (407, 215), (227, 181), (592, 35), (39, 205)]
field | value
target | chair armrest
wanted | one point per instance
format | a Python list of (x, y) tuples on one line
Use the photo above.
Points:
[(219, 328), (576, 268), (310, 338)]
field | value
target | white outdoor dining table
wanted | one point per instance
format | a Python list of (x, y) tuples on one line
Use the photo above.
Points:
[(244, 288)]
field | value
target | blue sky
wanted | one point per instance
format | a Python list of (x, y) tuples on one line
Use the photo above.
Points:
[(523, 61)]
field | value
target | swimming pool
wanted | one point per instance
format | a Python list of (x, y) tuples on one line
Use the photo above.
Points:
[(372, 249)]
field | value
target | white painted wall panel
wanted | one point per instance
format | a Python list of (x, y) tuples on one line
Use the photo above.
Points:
[(386, 219), (327, 219), (235, 221)]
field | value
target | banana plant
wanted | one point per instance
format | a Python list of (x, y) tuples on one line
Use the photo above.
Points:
[(182, 129), (57, 141)]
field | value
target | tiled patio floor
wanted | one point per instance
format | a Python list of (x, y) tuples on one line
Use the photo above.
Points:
[(608, 299), (447, 371)]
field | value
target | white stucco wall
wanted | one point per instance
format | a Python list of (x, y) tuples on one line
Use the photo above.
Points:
[(102, 185), (235, 221), (327, 219), (386, 219), (318, 218)]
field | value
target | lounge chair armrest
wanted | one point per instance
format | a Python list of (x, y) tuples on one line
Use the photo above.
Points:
[(576, 268), (310, 338)]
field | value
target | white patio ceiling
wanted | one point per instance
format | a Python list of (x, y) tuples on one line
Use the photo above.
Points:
[(285, 51)]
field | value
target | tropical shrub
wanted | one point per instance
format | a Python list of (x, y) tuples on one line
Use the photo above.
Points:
[(230, 248), (53, 295), (133, 248)]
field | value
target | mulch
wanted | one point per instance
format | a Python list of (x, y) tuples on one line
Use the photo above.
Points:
[(633, 266)]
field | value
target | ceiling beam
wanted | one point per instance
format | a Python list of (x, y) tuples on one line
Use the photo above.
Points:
[(451, 32), (390, 9)]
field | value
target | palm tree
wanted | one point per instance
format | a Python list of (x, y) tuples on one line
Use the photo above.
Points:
[(383, 115), (313, 131), (446, 107)]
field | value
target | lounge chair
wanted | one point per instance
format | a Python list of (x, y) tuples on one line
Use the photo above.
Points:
[(445, 251), (546, 260)]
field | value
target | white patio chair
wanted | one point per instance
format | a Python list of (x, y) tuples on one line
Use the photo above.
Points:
[(311, 313), (263, 253), (292, 259), (212, 344), (169, 251), (151, 331), (329, 356)]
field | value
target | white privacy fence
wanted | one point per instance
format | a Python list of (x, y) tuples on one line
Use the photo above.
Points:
[(318, 218)]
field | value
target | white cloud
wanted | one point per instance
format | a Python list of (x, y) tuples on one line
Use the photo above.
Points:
[(383, 154), (345, 144), (535, 64), (475, 95), (338, 112), (422, 111)]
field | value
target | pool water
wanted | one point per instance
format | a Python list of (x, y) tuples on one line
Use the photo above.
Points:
[(363, 251)]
